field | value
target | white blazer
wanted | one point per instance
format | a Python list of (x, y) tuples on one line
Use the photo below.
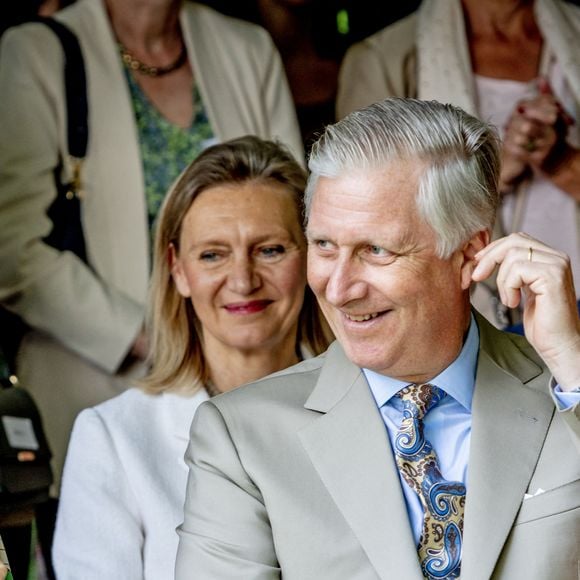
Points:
[(123, 488)]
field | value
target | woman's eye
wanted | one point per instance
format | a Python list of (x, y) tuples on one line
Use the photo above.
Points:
[(272, 251), (209, 256)]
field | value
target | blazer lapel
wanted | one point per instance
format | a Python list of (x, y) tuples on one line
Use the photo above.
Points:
[(209, 50), (113, 175), (350, 450), (509, 425)]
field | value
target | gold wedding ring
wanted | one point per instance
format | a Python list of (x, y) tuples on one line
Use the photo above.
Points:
[(530, 253)]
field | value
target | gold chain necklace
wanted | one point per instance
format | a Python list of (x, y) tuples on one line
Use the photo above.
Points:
[(134, 64)]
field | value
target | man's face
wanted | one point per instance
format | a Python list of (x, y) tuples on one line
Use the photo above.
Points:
[(395, 307)]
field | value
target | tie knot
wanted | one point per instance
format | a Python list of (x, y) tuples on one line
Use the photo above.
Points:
[(420, 399)]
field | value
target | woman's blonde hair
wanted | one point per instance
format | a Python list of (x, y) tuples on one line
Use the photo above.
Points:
[(176, 357)]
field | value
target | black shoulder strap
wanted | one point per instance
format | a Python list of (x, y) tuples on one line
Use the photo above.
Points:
[(75, 87)]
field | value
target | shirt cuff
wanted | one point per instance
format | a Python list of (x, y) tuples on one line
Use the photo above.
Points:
[(565, 400)]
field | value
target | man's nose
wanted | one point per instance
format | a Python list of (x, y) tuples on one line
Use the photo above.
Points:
[(345, 282), (243, 278)]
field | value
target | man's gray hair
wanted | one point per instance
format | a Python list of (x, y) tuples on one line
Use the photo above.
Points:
[(458, 190)]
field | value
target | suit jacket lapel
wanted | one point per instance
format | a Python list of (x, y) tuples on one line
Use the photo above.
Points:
[(350, 450), (511, 416)]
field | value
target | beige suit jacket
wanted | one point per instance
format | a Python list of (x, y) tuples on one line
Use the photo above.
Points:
[(294, 477), (87, 318)]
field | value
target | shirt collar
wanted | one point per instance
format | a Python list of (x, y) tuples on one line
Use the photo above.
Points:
[(457, 380)]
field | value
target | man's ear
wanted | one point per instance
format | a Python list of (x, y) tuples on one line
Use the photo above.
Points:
[(176, 268), (470, 248)]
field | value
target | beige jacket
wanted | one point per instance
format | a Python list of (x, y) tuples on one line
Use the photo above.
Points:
[(87, 318), (293, 477)]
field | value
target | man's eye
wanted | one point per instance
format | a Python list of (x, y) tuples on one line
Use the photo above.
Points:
[(272, 251), (378, 254), (323, 244), (378, 251)]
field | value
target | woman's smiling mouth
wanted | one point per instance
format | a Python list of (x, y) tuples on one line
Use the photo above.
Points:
[(249, 307)]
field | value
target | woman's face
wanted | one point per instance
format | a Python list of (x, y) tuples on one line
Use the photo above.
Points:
[(242, 263)]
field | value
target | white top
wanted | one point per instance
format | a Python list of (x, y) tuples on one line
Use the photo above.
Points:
[(549, 213), (123, 488)]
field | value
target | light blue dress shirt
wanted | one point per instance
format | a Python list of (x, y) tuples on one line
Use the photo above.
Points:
[(566, 400), (448, 425)]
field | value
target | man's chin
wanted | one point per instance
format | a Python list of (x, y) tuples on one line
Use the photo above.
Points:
[(361, 357)]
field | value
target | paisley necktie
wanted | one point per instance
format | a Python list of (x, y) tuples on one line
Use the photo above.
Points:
[(443, 501)]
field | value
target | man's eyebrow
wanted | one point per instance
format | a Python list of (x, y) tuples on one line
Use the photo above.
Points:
[(312, 234)]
